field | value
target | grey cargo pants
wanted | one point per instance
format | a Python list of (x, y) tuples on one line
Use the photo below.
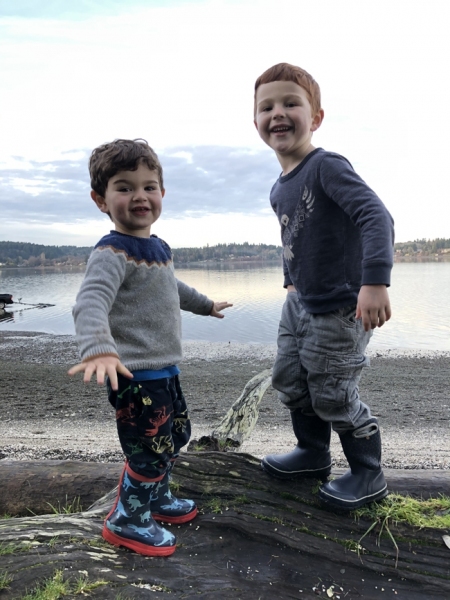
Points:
[(319, 362)]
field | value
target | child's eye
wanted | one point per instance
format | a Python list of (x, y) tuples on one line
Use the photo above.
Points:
[(290, 104), (150, 188)]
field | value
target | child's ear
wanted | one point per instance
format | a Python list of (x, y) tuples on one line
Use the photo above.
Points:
[(163, 192), (317, 120), (99, 201)]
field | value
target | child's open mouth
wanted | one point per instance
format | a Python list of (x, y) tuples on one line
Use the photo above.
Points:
[(280, 129), (141, 210)]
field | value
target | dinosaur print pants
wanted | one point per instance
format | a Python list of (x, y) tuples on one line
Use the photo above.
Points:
[(152, 422)]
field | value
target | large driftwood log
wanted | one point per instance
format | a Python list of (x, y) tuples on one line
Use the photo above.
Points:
[(256, 537), (44, 486)]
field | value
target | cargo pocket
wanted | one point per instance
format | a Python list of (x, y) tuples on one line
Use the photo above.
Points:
[(340, 384)]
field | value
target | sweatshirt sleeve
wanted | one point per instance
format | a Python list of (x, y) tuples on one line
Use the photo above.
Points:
[(193, 301), (366, 211), (105, 273)]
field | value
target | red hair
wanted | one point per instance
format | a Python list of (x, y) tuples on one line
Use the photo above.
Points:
[(287, 72)]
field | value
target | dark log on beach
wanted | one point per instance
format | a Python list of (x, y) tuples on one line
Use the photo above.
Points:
[(45, 486), (255, 537)]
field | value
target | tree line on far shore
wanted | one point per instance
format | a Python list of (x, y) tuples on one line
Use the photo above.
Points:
[(423, 248), (25, 254)]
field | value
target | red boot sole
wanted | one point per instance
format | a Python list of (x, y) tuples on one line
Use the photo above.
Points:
[(176, 520), (137, 547)]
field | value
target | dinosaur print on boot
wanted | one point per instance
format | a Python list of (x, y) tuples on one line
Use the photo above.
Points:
[(165, 507), (130, 522)]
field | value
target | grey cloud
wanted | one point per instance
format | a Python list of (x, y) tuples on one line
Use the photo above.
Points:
[(56, 191), (218, 180), (214, 179)]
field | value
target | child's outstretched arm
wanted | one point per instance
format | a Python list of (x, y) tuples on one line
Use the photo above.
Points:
[(104, 275), (102, 365), (373, 306), (217, 307), (199, 304)]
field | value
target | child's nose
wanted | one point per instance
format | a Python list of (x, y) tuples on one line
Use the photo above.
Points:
[(278, 110), (139, 194)]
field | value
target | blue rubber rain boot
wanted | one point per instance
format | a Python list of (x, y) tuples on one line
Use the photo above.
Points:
[(364, 482), (311, 457), (165, 507), (130, 523)]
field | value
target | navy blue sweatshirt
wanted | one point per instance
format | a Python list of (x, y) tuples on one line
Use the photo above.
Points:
[(336, 233)]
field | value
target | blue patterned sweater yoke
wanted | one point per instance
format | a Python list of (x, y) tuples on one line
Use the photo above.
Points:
[(336, 233), (129, 303)]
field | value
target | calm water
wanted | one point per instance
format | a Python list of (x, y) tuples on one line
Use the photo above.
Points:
[(420, 294)]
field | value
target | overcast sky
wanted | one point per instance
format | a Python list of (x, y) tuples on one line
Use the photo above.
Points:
[(180, 74)]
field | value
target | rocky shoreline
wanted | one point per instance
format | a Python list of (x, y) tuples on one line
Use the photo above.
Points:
[(48, 415)]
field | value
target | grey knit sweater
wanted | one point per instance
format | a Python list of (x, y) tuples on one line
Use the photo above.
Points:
[(129, 303)]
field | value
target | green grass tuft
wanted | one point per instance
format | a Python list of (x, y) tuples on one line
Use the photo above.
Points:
[(6, 549), (83, 585), (56, 587), (434, 512), (5, 580), (51, 589), (69, 508)]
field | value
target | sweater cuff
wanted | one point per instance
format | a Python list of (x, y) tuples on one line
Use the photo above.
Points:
[(99, 355), (376, 275), (287, 281)]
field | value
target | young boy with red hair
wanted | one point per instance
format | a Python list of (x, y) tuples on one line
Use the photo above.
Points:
[(337, 239)]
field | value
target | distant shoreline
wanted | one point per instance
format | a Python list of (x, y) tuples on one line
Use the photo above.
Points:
[(26, 254), (425, 259), (441, 258)]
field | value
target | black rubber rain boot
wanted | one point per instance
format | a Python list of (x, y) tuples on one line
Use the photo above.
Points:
[(130, 523), (165, 507), (311, 457), (364, 482)]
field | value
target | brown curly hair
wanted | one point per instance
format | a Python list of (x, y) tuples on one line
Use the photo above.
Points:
[(121, 155)]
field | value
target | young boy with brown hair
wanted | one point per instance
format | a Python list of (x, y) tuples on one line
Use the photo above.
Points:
[(337, 238), (128, 328)]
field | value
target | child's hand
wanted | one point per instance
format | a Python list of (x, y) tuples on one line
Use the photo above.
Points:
[(217, 307), (103, 365), (373, 306)]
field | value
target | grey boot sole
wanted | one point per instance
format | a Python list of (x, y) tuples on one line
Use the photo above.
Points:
[(350, 492), (283, 470)]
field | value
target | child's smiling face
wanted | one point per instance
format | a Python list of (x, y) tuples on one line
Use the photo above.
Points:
[(133, 199), (284, 119)]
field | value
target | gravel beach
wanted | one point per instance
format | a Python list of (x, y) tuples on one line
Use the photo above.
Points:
[(48, 415)]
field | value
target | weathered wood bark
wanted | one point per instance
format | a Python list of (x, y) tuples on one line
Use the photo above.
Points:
[(256, 537), (241, 419)]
